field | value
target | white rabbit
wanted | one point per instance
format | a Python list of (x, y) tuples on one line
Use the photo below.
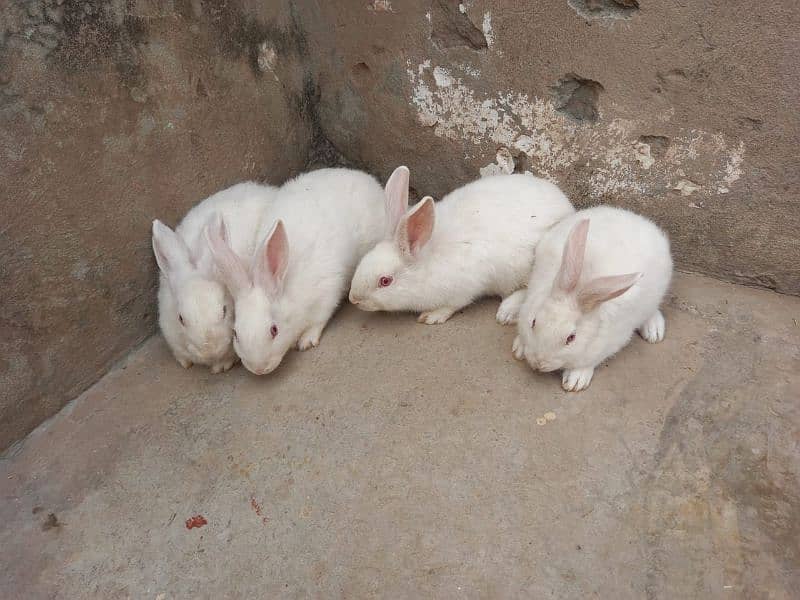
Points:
[(321, 223), (479, 240), (195, 312), (590, 288)]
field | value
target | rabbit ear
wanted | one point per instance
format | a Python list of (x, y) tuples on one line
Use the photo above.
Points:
[(416, 228), (272, 260), (601, 289), (572, 259), (170, 250), (396, 198), (201, 252), (230, 267)]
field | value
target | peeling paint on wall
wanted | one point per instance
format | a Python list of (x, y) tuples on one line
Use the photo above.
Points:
[(488, 33), (693, 162)]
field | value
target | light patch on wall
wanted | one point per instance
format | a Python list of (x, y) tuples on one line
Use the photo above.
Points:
[(686, 187), (488, 32), (469, 70), (611, 152), (267, 58), (503, 165), (442, 77), (733, 169), (381, 6)]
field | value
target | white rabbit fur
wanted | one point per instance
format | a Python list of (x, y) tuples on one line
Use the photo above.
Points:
[(320, 225), (189, 288), (600, 274), (479, 240)]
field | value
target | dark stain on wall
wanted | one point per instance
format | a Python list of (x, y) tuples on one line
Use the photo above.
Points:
[(605, 9), (97, 32), (578, 97), (452, 28)]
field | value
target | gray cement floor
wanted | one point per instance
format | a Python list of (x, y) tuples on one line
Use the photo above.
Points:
[(400, 460)]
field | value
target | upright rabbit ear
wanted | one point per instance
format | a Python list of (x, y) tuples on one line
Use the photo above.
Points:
[(416, 227), (170, 250), (201, 252), (231, 268), (601, 289), (572, 258), (396, 198), (272, 260)]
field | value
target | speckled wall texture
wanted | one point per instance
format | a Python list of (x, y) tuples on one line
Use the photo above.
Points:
[(112, 113)]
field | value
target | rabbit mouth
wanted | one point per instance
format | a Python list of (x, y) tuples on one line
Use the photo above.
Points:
[(364, 305), (262, 369)]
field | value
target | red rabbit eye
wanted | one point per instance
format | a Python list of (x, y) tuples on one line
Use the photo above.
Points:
[(273, 331), (570, 338), (385, 281)]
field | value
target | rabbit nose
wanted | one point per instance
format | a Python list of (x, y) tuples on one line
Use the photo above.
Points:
[(354, 299)]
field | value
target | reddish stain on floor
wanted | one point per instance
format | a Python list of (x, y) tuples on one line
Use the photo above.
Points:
[(196, 521), (257, 509)]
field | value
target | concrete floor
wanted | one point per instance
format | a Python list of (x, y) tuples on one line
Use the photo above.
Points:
[(399, 460)]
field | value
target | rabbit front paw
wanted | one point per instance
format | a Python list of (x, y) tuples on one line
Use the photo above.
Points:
[(221, 367), (576, 380), (439, 315), (508, 313), (517, 348), (654, 328), (310, 339)]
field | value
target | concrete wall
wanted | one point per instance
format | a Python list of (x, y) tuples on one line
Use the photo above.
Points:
[(113, 113), (687, 112)]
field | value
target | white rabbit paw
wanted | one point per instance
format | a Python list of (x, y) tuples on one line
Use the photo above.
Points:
[(576, 380), (654, 328), (508, 312), (440, 315), (310, 339), (518, 349), (221, 367), (184, 362)]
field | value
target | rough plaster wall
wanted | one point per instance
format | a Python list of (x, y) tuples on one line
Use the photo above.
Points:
[(686, 112), (113, 113)]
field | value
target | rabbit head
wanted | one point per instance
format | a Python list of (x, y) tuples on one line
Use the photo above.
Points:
[(265, 328), (557, 331), (386, 278), (203, 306)]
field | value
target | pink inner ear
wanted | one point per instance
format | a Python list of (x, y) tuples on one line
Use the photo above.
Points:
[(230, 266), (273, 260), (572, 258), (419, 225), (277, 251), (396, 198), (170, 249), (602, 289)]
